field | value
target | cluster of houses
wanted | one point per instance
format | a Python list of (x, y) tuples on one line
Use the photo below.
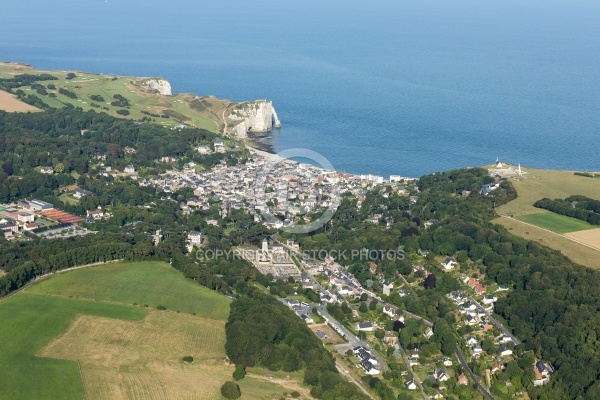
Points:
[(21, 217), (301, 309), (367, 360), (286, 190)]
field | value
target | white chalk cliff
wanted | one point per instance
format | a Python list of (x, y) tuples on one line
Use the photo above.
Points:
[(257, 116), (162, 86)]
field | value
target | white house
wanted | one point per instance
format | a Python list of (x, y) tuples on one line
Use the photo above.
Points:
[(440, 375), (471, 341), (505, 339), (414, 353), (389, 311), (194, 238), (504, 351), (428, 333), (366, 326), (369, 368), (449, 264), (307, 319), (410, 385), (25, 217), (204, 150), (219, 147), (489, 299), (387, 287), (79, 193)]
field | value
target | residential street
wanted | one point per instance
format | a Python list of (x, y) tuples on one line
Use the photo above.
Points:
[(478, 384), (494, 321)]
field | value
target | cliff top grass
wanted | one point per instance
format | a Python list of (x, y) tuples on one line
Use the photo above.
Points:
[(536, 184), (206, 112)]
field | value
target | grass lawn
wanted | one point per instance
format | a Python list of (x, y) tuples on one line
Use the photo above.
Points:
[(538, 183), (555, 222), (151, 283), (29, 322), (67, 198)]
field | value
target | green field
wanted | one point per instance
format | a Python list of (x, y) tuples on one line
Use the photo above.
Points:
[(44, 315), (29, 322), (151, 283), (555, 222)]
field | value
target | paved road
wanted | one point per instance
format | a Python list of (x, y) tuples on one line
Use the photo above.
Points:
[(414, 376), (495, 321), (478, 384)]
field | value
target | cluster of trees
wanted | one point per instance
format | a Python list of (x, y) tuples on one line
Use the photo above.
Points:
[(24, 80), (68, 93), (282, 341), (120, 101), (28, 262), (576, 206), (97, 97)]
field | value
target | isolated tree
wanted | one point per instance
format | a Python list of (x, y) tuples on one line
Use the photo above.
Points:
[(364, 296), (373, 305), (429, 282), (230, 390), (488, 345), (363, 307), (239, 373)]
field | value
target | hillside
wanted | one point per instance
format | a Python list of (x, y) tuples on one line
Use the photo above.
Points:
[(81, 336)]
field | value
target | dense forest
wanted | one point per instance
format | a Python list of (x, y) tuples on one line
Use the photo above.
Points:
[(576, 206)]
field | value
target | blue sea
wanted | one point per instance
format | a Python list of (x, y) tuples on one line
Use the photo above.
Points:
[(380, 86)]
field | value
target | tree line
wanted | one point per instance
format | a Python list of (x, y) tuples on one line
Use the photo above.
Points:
[(580, 207)]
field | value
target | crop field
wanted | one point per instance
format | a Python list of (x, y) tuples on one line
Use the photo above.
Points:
[(29, 322), (591, 237), (143, 359), (577, 252), (9, 103), (144, 283), (555, 222)]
